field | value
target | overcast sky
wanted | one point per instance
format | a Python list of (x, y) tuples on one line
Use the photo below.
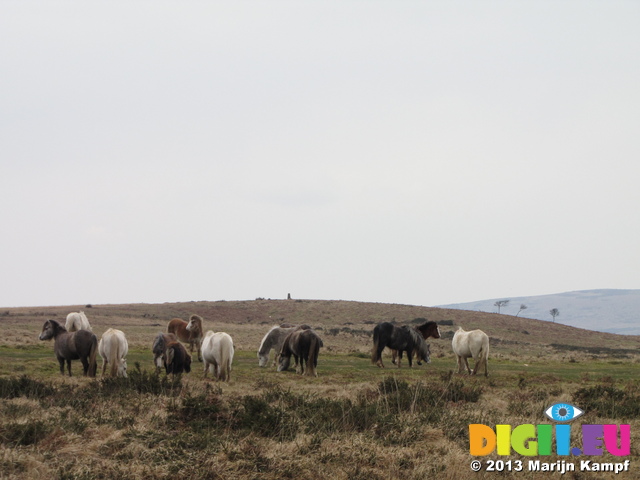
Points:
[(417, 152)]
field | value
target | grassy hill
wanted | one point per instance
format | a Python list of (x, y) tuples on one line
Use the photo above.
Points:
[(354, 421), (345, 326)]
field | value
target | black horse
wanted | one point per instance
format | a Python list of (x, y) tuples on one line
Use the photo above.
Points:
[(427, 329), (403, 339), (176, 358), (68, 346)]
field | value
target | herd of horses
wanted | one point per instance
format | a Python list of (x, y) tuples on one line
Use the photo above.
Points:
[(76, 341)]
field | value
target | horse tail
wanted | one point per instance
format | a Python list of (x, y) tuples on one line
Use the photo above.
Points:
[(115, 355), (312, 359), (484, 354), (376, 340), (93, 364), (231, 352), (225, 361)]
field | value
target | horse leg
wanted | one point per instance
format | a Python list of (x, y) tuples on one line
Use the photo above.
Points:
[(104, 366), (379, 355), (206, 369), (61, 362), (298, 364), (85, 365), (460, 365), (399, 364), (466, 364), (485, 361), (69, 366), (479, 363)]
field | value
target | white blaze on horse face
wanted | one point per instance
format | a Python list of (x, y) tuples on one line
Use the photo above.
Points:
[(160, 361), (189, 325)]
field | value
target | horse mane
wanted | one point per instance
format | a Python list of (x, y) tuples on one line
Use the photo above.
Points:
[(57, 326), (195, 317), (416, 336), (427, 327), (262, 348)]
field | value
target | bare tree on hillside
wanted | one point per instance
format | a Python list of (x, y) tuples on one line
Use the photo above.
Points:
[(522, 307), (554, 313), (501, 303)]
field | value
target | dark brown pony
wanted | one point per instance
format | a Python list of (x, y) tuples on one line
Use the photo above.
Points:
[(304, 345), (69, 346), (403, 339), (160, 346), (176, 359), (189, 332), (427, 329)]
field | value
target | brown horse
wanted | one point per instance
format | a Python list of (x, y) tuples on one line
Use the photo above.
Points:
[(189, 332), (427, 329), (304, 345), (69, 346)]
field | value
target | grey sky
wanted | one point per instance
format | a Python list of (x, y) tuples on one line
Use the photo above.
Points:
[(405, 152)]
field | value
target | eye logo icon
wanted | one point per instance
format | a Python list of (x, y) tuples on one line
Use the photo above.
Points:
[(563, 412)]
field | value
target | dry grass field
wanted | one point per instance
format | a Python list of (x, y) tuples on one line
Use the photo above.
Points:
[(353, 421)]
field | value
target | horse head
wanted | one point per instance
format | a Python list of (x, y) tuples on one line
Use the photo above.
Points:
[(429, 329), (424, 353), (122, 368), (195, 324), (263, 359), (283, 362), (50, 329)]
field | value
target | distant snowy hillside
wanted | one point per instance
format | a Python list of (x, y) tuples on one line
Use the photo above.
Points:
[(614, 311)]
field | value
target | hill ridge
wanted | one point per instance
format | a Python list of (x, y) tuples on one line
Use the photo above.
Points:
[(603, 310), (334, 315)]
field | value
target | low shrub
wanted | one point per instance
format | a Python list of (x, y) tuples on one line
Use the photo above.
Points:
[(18, 433), (609, 401), (12, 387)]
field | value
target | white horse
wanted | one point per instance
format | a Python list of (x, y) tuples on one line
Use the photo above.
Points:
[(113, 349), (77, 321), (217, 354), (471, 344)]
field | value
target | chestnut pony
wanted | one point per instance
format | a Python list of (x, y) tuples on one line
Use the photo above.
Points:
[(188, 332)]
